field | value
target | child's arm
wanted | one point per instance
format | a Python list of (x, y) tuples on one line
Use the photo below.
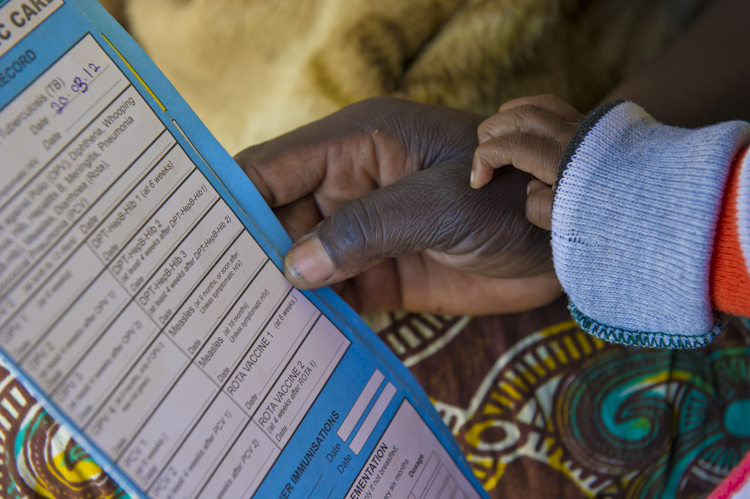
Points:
[(635, 215)]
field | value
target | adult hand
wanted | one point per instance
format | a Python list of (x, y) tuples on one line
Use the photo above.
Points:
[(377, 198)]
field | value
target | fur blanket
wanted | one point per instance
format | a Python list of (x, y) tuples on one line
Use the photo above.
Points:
[(253, 69)]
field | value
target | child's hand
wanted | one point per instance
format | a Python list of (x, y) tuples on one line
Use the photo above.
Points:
[(530, 133)]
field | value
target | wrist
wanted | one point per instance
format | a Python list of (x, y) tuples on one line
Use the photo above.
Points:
[(633, 223)]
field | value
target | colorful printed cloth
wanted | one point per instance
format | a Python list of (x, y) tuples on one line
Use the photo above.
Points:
[(540, 409), (38, 458)]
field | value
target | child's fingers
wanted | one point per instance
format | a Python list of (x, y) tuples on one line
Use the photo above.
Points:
[(526, 119), (549, 103), (530, 133), (539, 204), (535, 155)]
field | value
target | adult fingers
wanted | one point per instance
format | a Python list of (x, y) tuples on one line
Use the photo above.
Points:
[(360, 147), (537, 156), (293, 165), (385, 223), (539, 204), (300, 217)]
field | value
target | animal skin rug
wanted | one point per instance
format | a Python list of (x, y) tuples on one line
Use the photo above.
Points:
[(253, 69)]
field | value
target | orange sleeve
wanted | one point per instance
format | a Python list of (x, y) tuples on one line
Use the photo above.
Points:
[(730, 279)]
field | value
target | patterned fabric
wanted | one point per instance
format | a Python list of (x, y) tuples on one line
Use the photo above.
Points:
[(37, 456), (562, 414), (540, 408)]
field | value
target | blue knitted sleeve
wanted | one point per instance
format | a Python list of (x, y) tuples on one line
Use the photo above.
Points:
[(635, 211)]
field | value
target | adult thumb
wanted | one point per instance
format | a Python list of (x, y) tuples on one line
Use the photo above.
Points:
[(483, 231), (404, 217)]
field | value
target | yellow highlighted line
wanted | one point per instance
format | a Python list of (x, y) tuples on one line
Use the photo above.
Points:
[(136, 74)]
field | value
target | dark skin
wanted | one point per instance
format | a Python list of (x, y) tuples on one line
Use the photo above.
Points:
[(530, 133), (387, 166), (704, 76), (710, 61), (402, 228)]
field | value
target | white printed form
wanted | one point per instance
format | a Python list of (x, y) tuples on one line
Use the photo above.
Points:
[(134, 297), (410, 463)]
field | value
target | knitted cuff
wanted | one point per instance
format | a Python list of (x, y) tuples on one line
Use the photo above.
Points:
[(635, 208)]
